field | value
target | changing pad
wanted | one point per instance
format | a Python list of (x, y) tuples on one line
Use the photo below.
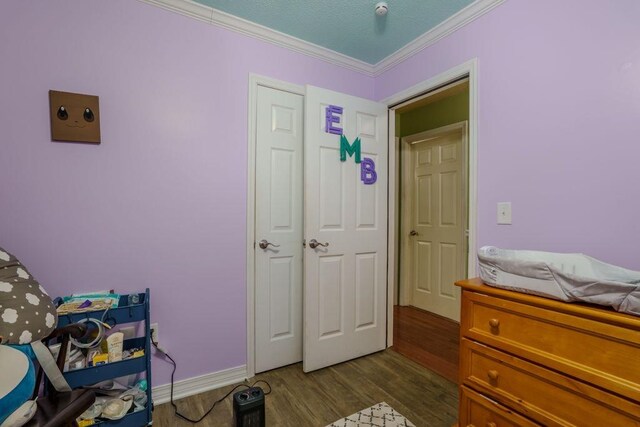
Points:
[(565, 277)]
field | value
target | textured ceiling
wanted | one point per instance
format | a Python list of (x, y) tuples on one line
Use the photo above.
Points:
[(350, 27)]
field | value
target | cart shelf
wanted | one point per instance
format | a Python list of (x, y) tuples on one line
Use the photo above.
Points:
[(124, 313)]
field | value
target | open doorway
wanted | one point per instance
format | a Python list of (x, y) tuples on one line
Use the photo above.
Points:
[(432, 134)]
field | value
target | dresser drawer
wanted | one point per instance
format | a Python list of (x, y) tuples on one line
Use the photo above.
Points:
[(478, 411), (603, 354), (545, 396)]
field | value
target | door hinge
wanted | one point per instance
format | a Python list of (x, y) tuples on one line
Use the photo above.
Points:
[(304, 243)]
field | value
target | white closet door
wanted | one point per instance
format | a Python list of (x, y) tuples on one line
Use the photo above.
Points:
[(344, 283), (278, 284)]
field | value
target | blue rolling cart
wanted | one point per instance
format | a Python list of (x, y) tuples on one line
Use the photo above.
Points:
[(125, 313)]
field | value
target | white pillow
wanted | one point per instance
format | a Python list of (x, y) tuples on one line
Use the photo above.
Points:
[(22, 415)]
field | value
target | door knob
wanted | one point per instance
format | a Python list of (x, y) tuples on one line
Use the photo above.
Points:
[(264, 244), (413, 233), (313, 243)]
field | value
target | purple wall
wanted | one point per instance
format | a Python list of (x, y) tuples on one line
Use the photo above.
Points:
[(559, 121), (161, 203)]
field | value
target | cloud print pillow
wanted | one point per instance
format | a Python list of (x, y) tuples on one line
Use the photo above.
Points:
[(26, 311)]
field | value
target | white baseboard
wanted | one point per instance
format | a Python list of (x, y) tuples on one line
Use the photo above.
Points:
[(200, 384)]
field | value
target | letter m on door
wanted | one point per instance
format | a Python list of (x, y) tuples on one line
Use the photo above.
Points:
[(351, 149)]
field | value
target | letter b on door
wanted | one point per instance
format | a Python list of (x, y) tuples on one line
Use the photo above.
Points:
[(368, 173)]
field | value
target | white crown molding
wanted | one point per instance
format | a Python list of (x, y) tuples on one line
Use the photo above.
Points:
[(446, 27), (242, 26), (222, 19), (185, 7), (199, 384)]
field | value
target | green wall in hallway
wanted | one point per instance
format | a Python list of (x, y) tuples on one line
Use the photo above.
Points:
[(444, 112)]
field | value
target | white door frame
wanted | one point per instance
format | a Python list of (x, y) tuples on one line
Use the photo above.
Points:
[(468, 69), (255, 81)]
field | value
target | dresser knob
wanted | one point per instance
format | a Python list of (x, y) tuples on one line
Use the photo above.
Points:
[(494, 323), (493, 375)]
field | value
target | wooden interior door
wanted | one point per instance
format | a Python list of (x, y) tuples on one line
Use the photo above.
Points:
[(434, 228)]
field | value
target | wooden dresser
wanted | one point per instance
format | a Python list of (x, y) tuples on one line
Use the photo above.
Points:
[(531, 361)]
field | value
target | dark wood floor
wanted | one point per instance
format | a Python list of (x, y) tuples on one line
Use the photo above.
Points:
[(428, 339), (324, 396)]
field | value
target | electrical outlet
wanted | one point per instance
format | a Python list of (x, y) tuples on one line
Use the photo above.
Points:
[(128, 332), (155, 335)]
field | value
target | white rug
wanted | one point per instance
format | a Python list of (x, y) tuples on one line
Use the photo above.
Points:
[(379, 414)]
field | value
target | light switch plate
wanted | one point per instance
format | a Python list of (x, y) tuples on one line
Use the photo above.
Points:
[(504, 213)]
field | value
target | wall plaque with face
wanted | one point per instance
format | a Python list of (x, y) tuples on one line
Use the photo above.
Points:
[(74, 117)]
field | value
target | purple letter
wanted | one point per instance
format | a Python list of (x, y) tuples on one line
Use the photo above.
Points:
[(368, 173), (332, 116)]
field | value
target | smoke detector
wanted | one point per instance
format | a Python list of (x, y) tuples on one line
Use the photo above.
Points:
[(382, 8)]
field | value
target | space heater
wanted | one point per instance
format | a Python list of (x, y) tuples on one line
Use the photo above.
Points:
[(248, 408)]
